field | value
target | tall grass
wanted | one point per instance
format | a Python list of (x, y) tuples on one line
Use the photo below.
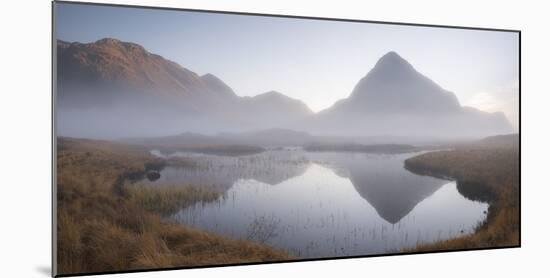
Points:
[(167, 200), (104, 224)]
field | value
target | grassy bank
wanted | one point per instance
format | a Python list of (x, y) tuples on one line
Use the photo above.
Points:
[(488, 173), (106, 223)]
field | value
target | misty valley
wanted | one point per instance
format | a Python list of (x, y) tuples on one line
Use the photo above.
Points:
[(158, 166), (111, 89)]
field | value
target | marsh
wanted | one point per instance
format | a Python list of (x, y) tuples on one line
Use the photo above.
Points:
[(322, 204)]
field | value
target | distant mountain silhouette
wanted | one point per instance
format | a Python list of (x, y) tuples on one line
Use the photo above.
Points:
[(394, 86), (395, 99), (275, 109), (111, 88)]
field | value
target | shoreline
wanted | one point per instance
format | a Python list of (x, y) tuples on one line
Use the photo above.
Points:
[(102, 225), (472, 173), (102, 203)]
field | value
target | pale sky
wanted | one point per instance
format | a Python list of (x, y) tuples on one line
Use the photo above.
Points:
[(316, 61)]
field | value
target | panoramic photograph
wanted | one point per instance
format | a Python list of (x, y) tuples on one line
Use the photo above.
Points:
[(196, 139)]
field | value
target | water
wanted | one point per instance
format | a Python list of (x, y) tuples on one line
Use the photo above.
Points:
[(324, 204)]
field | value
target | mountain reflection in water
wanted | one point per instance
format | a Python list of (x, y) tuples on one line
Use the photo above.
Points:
[(324, 204)]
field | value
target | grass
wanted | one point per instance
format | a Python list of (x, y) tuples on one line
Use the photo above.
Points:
[(218, 149), (108, 221), (167, 200), (483, 173), (105, 223)]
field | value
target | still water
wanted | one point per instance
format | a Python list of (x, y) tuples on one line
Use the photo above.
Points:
[(324, 204)]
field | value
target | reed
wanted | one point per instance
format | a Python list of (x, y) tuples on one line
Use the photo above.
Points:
[(105, 223)]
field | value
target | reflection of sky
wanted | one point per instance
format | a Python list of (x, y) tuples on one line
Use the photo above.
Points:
[(315, 61), (320, 214), (326, 208)]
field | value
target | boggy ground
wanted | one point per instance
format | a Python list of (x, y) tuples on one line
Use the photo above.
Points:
[(107, 223), (484, 172)]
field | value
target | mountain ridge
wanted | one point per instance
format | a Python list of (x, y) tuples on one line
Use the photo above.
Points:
[(109, 78), (391, 98)]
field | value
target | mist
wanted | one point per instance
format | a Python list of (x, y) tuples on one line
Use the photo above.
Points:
[(144, 95)]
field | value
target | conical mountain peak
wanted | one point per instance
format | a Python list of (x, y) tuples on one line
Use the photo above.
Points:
[(393, 61), (394, 86), (391, 55)]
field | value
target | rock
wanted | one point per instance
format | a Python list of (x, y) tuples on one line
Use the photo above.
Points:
[(153, 175)]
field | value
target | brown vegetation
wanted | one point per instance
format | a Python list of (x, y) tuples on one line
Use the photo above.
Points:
[(105, 223), (488, 173), (167, 200), (377, 148), (225, 150)]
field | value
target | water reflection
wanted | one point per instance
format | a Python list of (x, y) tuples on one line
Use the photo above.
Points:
[(382, 181), (325, 204), (221, 172)]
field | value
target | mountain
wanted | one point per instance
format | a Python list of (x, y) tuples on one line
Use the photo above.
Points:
[(276, 110), (111, 88), (121, 67), (272, 102), (216, 85), (395, 99), (394, 86)]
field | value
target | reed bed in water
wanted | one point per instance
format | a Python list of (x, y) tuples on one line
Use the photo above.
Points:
[(168, 199), (104, 226)]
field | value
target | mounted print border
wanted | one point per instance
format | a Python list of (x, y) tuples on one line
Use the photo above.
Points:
[(170, 150)]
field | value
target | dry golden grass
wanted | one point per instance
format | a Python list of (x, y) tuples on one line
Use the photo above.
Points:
[(489, 174), (167, 200), (104, 224)]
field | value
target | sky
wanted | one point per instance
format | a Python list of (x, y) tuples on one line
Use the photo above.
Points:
[(316, 61)]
